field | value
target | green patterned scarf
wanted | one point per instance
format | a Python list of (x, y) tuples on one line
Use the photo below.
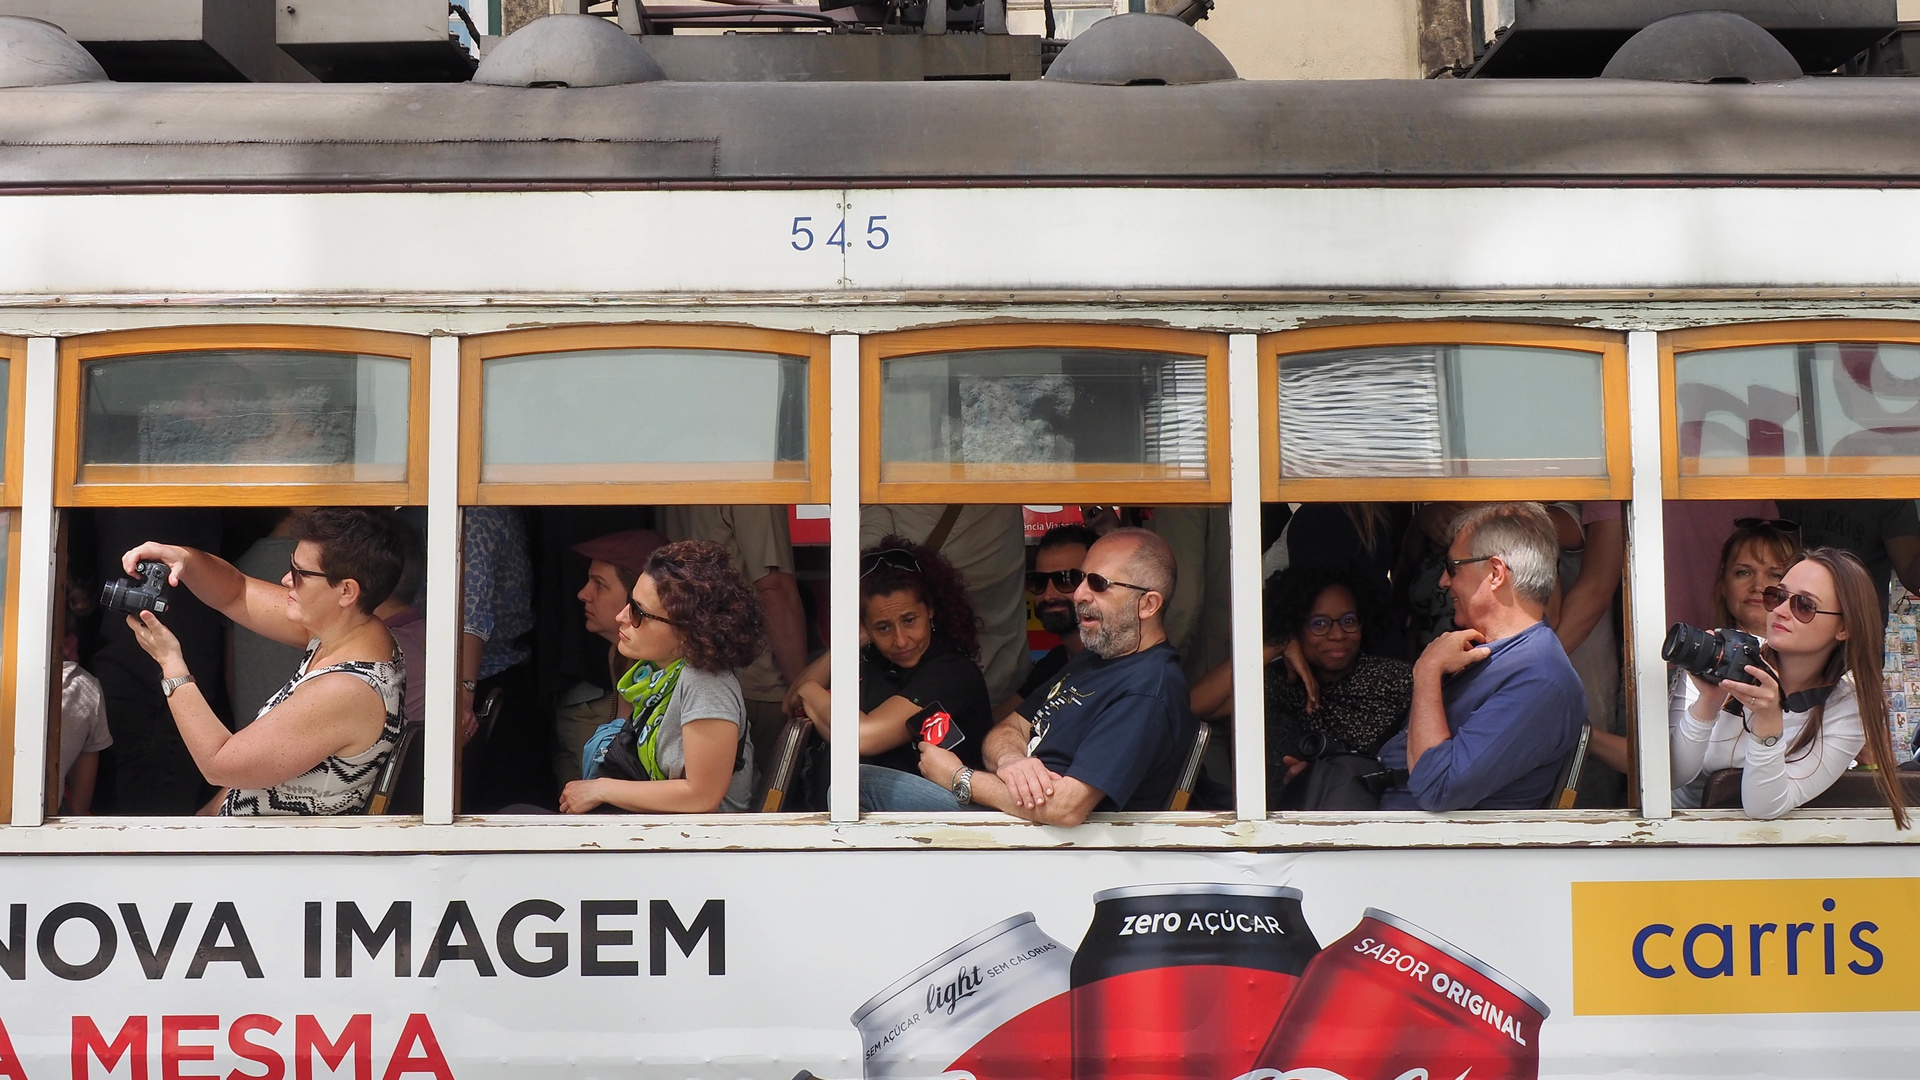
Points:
[(649, 689)]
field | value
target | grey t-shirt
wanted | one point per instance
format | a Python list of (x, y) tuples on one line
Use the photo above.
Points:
[(706, 695)]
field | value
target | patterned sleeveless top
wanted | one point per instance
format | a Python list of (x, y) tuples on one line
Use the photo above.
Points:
[(338, 785)]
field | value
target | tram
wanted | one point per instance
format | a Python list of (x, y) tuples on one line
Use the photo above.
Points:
[(1656, 277)]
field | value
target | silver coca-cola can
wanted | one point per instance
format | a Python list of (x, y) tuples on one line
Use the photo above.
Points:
[(996, 1006)]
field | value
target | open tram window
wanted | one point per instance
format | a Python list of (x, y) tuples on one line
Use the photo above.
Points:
[(1378, 442), (1790, 462)]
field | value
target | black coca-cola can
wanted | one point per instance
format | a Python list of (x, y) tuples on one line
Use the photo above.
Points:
[(1184, 980)]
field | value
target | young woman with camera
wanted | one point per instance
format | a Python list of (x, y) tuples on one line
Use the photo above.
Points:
[(1792, 734), (317, 744)]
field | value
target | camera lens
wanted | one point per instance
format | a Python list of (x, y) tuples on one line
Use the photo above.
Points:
[(1688, 646)]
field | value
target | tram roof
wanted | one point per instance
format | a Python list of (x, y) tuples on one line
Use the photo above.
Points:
[(1465, 132)]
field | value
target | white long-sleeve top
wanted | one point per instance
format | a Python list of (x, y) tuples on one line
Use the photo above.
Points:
[(1770, 785)]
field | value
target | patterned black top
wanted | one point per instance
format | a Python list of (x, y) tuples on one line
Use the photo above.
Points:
[(337, 785), (1362, 710)]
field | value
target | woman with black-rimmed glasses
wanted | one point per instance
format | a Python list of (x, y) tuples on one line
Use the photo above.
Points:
[(1817, 707), (688, 622), (919, 649)]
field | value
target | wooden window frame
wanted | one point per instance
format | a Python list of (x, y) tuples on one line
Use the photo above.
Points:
[(475, 351), (236, 485), (14, 351), (1089, 487), (1616, 485), (1856, 483)]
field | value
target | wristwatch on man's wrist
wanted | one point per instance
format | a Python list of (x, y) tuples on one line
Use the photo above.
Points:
[(168, 686), (963, 785)]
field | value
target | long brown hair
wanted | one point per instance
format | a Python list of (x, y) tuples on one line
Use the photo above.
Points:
[(1772, 542), (1859, 654)]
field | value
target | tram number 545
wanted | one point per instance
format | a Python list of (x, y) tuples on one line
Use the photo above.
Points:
[(803, 237)]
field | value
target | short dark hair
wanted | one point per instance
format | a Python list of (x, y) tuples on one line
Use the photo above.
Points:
[(715, 613), (356, 543), (1066, 536)]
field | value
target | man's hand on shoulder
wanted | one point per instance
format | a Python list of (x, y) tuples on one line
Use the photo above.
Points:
[(1451, 653)]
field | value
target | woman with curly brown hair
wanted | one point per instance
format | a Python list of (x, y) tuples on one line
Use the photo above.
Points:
[(921, 643), (689, 621)]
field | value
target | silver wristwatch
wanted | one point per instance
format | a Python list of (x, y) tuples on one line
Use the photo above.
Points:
[(1769, 740), (963, 785), (168, 686)]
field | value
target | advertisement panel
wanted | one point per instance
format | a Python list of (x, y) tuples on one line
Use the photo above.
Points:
[(1035, 965)]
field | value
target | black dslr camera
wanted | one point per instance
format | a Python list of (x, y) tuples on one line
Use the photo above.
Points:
[(150, 595), (1714, 655)]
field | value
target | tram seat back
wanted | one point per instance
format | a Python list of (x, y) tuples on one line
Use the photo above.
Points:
[(1854, 789), (1568, 786), (785, 767), (397, 787), (1191, 768)]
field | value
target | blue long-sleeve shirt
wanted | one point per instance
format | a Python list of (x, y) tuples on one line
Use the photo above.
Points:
[(1514, 718)]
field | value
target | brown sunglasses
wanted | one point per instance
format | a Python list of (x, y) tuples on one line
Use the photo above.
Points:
[(1803, 605)]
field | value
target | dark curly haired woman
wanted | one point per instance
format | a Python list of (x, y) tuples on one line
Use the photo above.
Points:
[(1319, 681), (921, 643), (689, 621)]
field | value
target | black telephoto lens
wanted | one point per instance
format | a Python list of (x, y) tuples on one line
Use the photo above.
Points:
[(1689, 647)]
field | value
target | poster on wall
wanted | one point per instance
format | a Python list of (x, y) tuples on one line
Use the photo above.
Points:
[(966, 965)]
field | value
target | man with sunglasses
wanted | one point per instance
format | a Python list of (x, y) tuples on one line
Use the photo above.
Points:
[(1108, 733), (1055, 576), (1497, 706)]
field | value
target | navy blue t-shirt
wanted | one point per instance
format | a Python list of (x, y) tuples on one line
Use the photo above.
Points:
[(1514, 717), (1120, 725)]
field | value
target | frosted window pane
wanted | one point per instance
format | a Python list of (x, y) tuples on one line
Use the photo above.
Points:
[(1815, 407), (1442, 410), (1045, 407), (744, 414), (249, 407)]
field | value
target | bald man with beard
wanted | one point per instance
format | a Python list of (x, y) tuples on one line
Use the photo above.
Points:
[(1105, 734)]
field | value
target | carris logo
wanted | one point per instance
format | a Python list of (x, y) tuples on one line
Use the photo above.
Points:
[(965, 984)]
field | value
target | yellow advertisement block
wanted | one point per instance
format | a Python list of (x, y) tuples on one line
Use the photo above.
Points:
[(1811, 945)]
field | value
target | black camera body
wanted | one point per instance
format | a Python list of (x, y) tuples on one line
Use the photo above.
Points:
[(1715, 656), (149, 595)]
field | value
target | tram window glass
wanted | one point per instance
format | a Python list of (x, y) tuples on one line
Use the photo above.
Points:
[(247, 407), (1441, 410), (1804, 408)]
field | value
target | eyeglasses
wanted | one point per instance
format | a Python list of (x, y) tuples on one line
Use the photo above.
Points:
[(1064, 580), (1322, 625), (898, 558), (1776, 524), (300, 576), (1453, 565), (640, 615), (1803, 605), (1101, 583)]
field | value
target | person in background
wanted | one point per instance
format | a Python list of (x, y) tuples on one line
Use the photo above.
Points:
[(1110, 732), (83, 734), (689, 621), (407, 623), (508, 764), (988, 546), (759, 540), (259, 665), (1793, 736), (1051, 582), (1199, 620), (1320, 680), (1883, 533), (1753, 559), (1692, 534), (614, 564), (1590, 575), (1497, 707), (922, 638)]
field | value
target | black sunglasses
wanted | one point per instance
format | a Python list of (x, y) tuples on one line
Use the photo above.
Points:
[(898, 558), (1064, 580), (1453, 565), (641, 615), (1101, 583), (1776, 524), (1804, 606)]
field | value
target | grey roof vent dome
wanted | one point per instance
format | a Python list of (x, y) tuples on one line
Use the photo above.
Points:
[(568, 50), (34, 52), (1141, 50), (1703, 47)]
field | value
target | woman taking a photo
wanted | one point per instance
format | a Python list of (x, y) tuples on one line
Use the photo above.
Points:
[(1792, 736), (1324, 694), (689, 621), (317, 744), (921, 643)]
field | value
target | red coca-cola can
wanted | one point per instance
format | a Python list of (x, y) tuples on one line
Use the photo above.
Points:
[(1184, 980), (1390, 998)]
